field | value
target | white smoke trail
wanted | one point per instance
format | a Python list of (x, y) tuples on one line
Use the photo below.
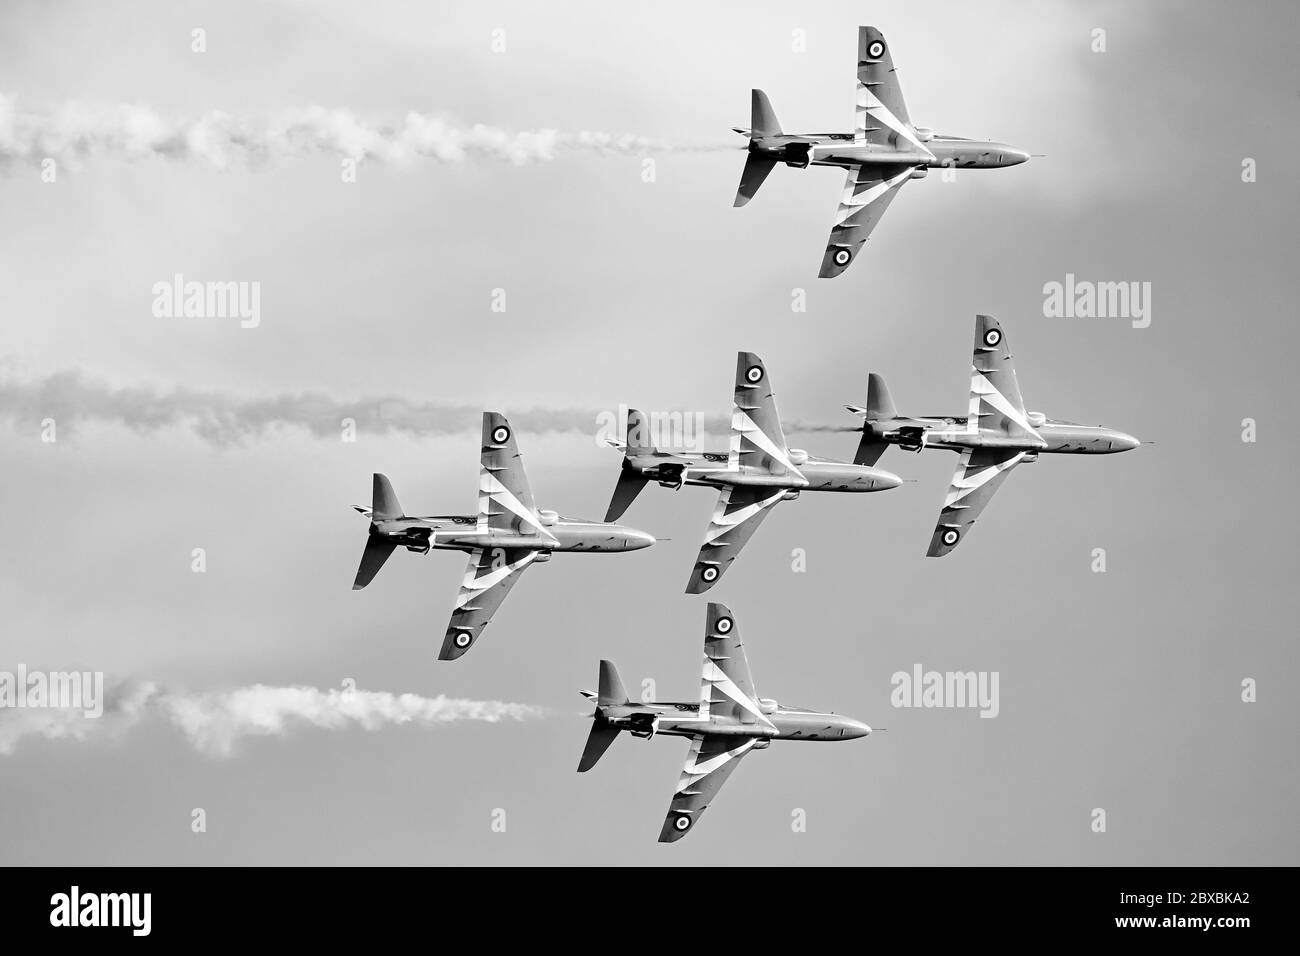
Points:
[(73, 132), (215, 722)]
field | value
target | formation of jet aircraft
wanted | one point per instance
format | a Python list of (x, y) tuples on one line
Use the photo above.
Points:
[(754, 474), (507, 535), (728, 722), (882, 153), (995, 435), (757, 470)]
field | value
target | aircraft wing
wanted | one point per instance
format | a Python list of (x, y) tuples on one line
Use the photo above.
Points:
[(505, 500), (881, 115), (726, 687), (980, 473), (995, 400), (757, 439), (708, 765), (739, 512), (868, 191), (488, 579)]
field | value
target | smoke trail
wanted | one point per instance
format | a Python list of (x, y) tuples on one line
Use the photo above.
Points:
[(214, 723), (75, 132), (222, 419)]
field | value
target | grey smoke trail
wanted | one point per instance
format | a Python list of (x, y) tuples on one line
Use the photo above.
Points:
[(215, 722), (73, 399), (224, 419), (74, 132)]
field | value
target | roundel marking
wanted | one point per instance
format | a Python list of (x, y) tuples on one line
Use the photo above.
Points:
[(754, 374), (710, 573), (876, 49), (463, 639), (992, 337), (500, 434), (842, 257), (724, 625), (682, 822), (950, 537)]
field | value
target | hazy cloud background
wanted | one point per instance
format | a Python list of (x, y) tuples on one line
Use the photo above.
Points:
[(1118, 690)]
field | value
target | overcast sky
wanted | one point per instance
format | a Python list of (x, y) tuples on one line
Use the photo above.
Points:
[(1118, 690)]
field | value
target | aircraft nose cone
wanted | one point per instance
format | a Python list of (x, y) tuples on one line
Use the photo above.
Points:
[(1014, 157), (636, 540), (1123, 442), (884, 480), (855, 728)]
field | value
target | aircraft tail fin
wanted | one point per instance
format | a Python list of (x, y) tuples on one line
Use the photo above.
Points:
[(383, 505), (610, 692), (762, 118), (763, 123), (880, 404), (638, 433), (383, 500), (630, 480)]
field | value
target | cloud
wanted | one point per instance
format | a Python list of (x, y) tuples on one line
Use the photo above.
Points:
[(215, 722), (74, 132)]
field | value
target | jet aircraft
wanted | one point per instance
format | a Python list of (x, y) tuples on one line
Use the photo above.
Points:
[(996, 435), (507, 535), (757, 471), (729, 721), (882, 153)]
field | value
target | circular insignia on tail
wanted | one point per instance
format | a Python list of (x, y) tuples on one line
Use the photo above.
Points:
[(992, 337), (463, 639), (950, 537), (724, 625), (754, 374), (682, 822), (876, 49), (709, 574), (841, 257), (501, 434)]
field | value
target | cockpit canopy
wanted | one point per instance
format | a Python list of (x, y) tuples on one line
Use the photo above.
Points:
[(798, 456), (1037, 419), (548, 517), (767, 705)]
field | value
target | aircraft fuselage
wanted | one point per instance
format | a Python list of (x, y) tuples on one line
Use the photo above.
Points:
[(714, 470), (953, 433), (687, 720), (463, 533), (840, 149)]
